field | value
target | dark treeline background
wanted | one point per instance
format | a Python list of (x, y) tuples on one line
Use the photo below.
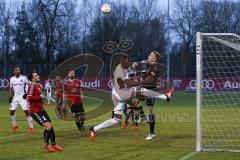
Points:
[(43, 33)]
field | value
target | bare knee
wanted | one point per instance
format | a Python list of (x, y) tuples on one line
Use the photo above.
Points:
[(150, 109), (47, 126)]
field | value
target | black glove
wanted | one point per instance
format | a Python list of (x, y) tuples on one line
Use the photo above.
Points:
[(25, 96), (10, 99)]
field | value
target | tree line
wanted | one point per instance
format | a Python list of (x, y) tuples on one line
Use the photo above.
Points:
[(41, 34)]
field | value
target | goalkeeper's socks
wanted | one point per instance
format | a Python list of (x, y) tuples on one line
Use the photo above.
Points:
[(46, 137), (52, 136), (152, 127), (151, 120)]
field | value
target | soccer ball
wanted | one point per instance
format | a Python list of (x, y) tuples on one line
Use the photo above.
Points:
[(106, 8)]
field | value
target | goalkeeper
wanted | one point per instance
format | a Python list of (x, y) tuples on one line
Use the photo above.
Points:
[(149, 81)]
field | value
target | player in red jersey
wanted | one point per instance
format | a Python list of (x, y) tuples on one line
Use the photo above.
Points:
[(58, 97), (72, 97), (35, 99)]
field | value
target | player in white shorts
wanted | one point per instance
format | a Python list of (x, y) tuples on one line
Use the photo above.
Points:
[(119, 96), (48, 89), (122, 92), (17, 96)]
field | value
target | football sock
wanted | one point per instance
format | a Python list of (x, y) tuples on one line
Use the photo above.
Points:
[(152, 94), (79, 125), (132, 116), (14, 121), (106, 124), (82, 126), (59, 111), (64, 110), (30, 122), (52, 136), (126, 118), (152, 127), (141, 110), (46, 136), (151, 120)]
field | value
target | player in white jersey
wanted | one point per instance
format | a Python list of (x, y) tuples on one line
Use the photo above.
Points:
[(17, 96), (48, 89), (123, 91), (119, 96)]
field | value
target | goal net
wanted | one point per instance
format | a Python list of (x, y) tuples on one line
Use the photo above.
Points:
[(218, 96)]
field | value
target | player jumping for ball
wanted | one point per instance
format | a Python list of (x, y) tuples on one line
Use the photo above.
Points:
[(17, 96), (133, 106), (35, 99), (123, 91), (151, 77)]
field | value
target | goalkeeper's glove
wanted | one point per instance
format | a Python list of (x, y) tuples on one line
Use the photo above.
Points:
[(134, 65), (10, 99)]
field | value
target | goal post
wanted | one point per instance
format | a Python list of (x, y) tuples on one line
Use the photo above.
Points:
[(198, 90), (217, 92)]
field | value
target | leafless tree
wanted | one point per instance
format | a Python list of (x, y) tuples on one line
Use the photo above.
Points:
[(6, 28)]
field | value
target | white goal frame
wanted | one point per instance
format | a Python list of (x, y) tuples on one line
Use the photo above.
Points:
[(199, 77)]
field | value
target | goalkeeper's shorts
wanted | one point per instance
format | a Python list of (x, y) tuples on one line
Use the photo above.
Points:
[(149, 101)]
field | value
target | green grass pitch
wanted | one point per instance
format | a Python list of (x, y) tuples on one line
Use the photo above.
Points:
[(175, 131)]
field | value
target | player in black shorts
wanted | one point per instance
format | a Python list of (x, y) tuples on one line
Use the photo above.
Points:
[(37, 112), (151, 75), (73, 97)]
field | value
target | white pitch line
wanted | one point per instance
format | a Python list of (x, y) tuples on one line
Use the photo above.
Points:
[(188, 156)]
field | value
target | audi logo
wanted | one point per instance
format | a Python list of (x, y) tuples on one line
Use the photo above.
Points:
[(4, 83), (206, 84)]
